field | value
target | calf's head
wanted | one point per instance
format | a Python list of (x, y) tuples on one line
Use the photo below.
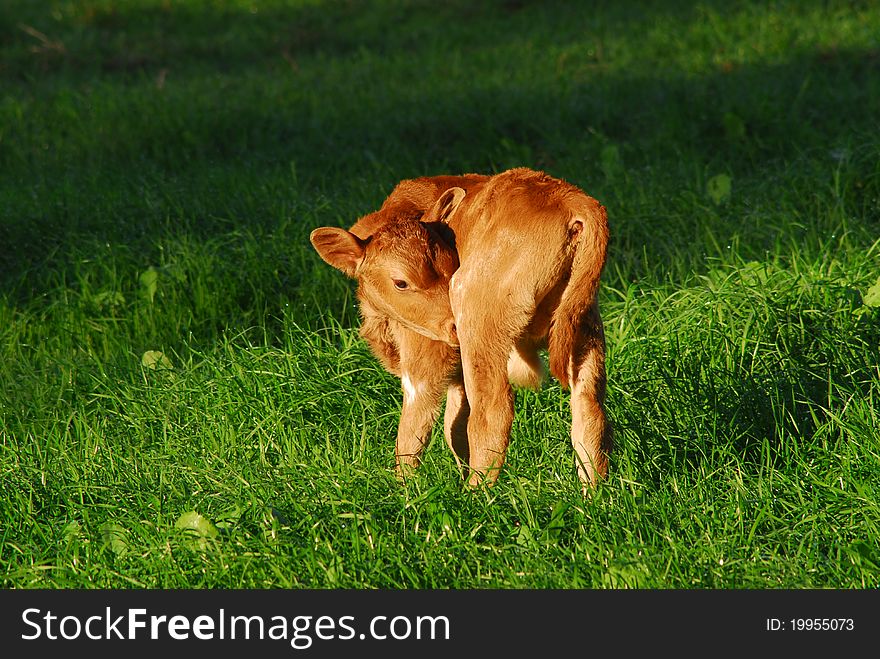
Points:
[(403, 271)]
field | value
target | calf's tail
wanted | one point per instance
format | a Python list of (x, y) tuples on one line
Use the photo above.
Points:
[(580, 293)]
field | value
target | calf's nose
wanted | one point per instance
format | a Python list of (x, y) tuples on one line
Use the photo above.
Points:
[(453, 334)]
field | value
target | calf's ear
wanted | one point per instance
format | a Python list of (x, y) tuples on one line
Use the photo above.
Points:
[(340, 248), (445, 205)]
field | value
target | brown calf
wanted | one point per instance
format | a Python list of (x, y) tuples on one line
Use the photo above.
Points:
[(462, 279)]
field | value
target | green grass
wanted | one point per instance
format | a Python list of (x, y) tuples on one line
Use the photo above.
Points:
[(163, 162)]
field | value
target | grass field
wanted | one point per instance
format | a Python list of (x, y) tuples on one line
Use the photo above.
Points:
[(184, 398)]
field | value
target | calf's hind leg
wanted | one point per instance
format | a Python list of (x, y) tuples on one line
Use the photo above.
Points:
[(491, 403), (524, 368), (486, 343), (590, 429)]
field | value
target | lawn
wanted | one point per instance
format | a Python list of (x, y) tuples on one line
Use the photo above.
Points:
[(185, 401)]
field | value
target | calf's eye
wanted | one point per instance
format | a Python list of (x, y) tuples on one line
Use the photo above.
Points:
[(400, 285)]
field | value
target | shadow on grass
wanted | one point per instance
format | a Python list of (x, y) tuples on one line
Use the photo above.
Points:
[(98, 39), (196, 120)]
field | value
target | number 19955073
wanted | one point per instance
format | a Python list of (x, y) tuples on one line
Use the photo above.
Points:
[(810, 625)]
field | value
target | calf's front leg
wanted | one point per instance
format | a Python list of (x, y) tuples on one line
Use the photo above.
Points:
[(455, 420), (426, 367)]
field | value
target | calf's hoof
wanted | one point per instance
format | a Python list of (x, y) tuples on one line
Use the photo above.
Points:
[(405, 468), (478, 479)]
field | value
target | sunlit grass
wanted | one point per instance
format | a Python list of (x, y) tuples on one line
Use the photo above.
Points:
[(170, 344)]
